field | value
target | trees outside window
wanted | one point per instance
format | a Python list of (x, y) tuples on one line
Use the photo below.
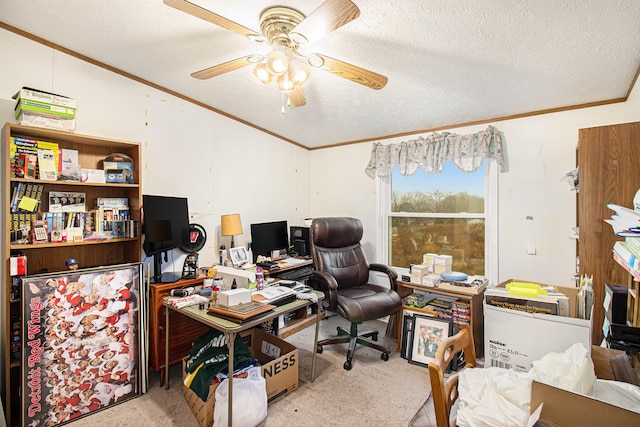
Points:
[(446, 214)]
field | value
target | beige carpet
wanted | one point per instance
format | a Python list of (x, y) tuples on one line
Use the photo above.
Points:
[(372, 393)]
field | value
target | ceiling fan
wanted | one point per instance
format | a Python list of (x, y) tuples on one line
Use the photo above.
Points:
[(285, 30)]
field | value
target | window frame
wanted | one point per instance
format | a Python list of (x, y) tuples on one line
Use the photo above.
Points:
[(383, 214)]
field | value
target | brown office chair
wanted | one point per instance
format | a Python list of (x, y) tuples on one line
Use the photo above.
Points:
[(436, 411), (342, 273)]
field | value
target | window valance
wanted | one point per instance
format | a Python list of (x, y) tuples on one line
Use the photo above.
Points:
[(465, 151)]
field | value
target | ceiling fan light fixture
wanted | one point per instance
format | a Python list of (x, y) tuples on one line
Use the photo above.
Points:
[(285, 82), (261, 72), (315, 60), (254, 59), (300, 72), (298, 38), (277, 62)]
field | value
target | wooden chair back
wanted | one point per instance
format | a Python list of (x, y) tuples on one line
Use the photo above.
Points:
[(445, 393)]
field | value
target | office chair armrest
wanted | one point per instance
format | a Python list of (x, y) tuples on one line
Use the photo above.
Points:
[(327, 284), (391, 274)]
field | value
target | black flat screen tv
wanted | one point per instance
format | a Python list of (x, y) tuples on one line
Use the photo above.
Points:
[(165, 226), (268, 236)]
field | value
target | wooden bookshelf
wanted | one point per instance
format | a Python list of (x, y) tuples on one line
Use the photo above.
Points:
[(51, 257)]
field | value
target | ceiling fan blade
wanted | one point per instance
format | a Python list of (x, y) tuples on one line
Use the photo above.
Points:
[(329, 16), (202, 13), (351, 72), (216, 70), (297, 98)]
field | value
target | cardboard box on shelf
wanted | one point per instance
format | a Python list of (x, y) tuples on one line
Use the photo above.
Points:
[(429, 259), (421, 269), (505, 345), (49, 110), (565, 408), (29, 118), (118, 168), (279, 367), (30, 94)]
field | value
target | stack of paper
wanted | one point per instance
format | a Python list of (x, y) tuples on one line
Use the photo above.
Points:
[(625, 222)]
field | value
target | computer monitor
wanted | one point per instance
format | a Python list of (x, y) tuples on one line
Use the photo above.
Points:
[(267, 237), (165, 226)]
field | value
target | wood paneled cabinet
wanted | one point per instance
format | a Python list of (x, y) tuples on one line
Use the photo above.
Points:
[(609, 172), (51, 257), (183, 329)]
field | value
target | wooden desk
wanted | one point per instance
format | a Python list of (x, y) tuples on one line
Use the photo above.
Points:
[(231, 329), (475, 304)]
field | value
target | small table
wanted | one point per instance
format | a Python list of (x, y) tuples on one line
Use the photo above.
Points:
[(231, 329)]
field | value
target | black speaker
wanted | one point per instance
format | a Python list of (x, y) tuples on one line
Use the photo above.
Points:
[(616, 296), (299, 240)]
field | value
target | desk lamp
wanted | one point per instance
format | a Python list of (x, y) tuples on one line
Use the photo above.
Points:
[(231, 225)]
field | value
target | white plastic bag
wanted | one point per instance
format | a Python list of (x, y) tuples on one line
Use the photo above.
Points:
[(249, 401)]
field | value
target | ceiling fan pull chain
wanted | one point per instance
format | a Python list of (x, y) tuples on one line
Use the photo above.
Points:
[(283, 110)]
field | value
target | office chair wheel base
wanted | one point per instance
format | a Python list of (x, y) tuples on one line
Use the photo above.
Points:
[(347, 365), (384, 356), (319, 349)]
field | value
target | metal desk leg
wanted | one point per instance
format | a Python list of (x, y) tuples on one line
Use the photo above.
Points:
[(231, 337), (166, 349), (315, 344)]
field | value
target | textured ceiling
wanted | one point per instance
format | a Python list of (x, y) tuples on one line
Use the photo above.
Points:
[(448, 62)]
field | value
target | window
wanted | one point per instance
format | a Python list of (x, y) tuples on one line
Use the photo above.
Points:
[(453, 213)]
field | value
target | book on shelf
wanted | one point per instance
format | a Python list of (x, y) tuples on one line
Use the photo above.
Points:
[(240, 313), (26, 197), (622, 250), (65, 201), (19, 150), (68, 167), (47, 165), (112, 202)]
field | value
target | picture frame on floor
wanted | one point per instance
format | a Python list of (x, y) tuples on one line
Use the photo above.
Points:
[(428, 334)]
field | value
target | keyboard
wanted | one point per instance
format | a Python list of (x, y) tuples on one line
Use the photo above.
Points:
[(296, 274)]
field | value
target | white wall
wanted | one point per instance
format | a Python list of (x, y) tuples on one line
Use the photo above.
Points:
[(221, 165), (187, 151), (540, 150)]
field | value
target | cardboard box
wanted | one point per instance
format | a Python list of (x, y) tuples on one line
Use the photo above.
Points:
[(49, 98), (118, 168), (568, 409), (234, 296), (421, 269), (49, 110), (29, 118), (92, 175), (442, 268), (279, 367), (429, 259), (514, 339), (443, 260)]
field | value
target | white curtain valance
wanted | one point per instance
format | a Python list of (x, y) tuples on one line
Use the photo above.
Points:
[(465, 151)]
